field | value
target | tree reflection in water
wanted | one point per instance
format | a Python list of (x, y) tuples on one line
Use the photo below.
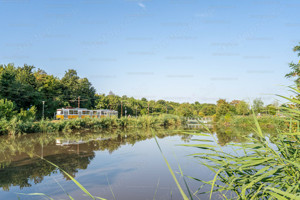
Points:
[(20, 156)]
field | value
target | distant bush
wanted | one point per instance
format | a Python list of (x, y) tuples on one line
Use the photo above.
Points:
[(248, 122)]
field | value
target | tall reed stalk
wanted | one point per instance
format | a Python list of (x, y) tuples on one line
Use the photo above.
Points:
[(262, 168)]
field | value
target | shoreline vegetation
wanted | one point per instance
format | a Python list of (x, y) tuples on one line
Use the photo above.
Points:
[(247, 122), (244, 123), (16, 126)]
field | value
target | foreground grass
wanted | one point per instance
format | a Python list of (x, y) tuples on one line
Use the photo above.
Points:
[(258, 169), (262, 168)]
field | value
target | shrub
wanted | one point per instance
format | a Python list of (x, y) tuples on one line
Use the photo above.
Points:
[(6, 109), (27, 115)]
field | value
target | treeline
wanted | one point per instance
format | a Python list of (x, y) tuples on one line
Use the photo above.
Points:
[(226, 109), (25, 88), (136, 107), (28, 87)]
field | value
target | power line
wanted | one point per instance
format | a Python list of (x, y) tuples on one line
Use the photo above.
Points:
[(79, 100)]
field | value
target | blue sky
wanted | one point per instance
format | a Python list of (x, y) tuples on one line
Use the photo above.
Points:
[(177, 50)]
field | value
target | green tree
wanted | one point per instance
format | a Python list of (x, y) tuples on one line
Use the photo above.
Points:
[(242, 108), (222, 109), (208, 109), (185, 109), (74, 87), (295, 67), (258, 105), (18, 85), (50, 89)]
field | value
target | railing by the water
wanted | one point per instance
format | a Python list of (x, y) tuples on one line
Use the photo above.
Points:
[(203, 120), (199, 126)]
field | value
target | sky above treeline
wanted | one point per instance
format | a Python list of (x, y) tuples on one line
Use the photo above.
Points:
[(178, 50)]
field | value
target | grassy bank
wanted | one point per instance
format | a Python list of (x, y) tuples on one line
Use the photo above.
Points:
[(13, 126), (247, 123)]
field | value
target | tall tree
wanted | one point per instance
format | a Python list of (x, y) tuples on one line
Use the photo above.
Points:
[(74, 87), (295, 67), (258, 105), (222, 109), (19, 86)]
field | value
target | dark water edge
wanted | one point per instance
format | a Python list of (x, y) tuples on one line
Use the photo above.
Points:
[(126, 161)]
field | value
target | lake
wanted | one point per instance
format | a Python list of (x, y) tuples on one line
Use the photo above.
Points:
[(117, 164)]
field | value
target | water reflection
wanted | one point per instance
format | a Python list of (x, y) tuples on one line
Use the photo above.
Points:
[(226, 135), (21, 162), (20, 157)]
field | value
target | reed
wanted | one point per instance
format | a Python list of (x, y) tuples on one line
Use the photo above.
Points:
[(262, 168)]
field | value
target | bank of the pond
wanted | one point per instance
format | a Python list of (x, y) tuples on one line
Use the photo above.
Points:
[(247, 122), (18, 127)]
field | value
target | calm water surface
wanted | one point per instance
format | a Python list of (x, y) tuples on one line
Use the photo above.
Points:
[(124, 164)]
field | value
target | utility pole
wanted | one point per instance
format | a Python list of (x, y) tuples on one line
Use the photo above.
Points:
[(148, 108), (78, 101), (43, 109), (135, 111), (121, 108)]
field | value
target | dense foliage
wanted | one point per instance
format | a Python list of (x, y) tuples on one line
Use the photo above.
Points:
[(27, 88)]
